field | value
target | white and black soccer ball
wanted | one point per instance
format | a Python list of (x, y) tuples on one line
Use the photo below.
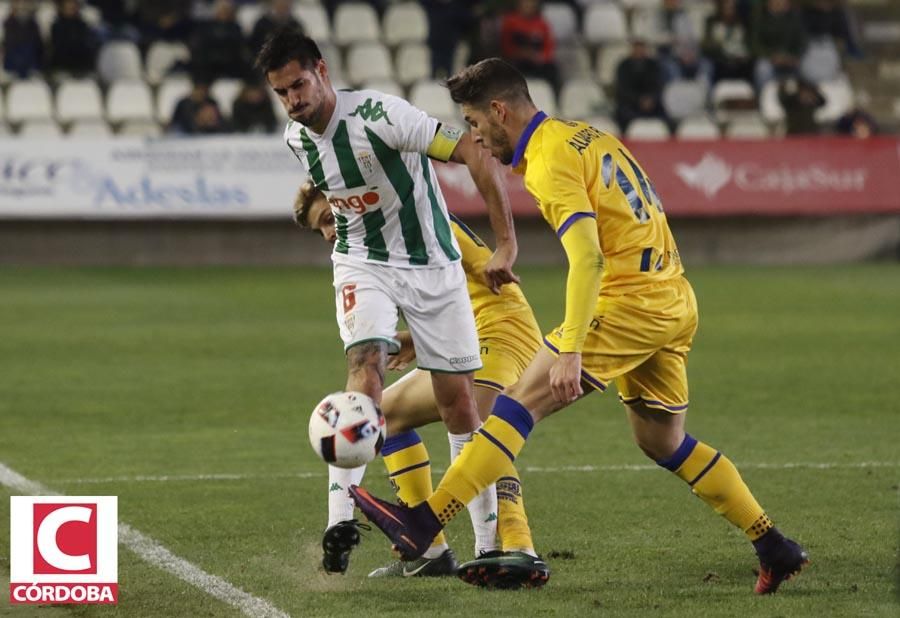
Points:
[(346, 429)]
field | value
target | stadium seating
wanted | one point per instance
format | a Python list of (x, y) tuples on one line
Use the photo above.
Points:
[(390, 54), (821, 62), (332, 56), (225, 91), (314, 20), (838, 95), (140, 128), (747, 126), (608, 59), (731, 98), (647, 129), (129, 100), (413, 63), (89, 128), (29, 100), (119, 60), (646, 25), (581, 98), (563, 21), (769, 104), (604, 23), (604, 124), (405, 23), (384, 85), (643, 4), (162, 56), (355, 22), (683, 98), (541, 93), (367, 61), (697, 128), (79, 100), (248, 15), (432, 97), (170, 91), (40, 128), (45, 16)]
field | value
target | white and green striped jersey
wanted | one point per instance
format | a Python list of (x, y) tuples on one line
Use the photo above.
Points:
[(371, 165)]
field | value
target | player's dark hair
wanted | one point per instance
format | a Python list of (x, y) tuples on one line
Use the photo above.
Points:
[(488, 80), (286, 44)]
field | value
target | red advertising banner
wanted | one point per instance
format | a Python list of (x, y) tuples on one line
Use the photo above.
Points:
[(785, 177)]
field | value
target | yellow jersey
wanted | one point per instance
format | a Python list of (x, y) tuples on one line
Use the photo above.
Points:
[(573, 171), (488, 307)]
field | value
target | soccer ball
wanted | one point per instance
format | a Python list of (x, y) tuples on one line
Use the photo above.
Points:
[(346, 429)]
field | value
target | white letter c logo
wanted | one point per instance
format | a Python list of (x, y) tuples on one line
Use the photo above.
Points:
[(46, 538)]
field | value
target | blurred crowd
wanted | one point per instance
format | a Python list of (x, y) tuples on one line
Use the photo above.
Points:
[(792, 43)]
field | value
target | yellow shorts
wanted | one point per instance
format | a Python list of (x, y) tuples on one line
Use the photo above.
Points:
[(641, 342), (507, 347)]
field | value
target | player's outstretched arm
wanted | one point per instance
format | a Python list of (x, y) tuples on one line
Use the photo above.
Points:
[(488, 177)]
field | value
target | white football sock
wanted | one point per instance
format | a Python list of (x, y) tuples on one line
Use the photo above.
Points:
[(340, 504), (483, 508)]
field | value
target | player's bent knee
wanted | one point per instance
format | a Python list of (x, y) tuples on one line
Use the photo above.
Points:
[(656, 432)]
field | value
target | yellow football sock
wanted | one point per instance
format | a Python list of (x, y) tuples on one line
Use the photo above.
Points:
[(512, 523), (409, 471), (483, 460), (715, 480)]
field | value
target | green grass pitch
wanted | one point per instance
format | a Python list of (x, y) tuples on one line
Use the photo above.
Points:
[(113, 378)]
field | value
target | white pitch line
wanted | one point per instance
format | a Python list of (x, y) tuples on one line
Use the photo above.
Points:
[(153, 552), (174, 478)]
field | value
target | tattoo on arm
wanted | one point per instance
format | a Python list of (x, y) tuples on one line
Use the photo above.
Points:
[(369, 354)]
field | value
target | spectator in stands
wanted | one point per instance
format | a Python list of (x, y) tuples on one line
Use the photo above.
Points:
[(857, 123), (73, 43), (252, 110), (526, 42), (779, 40), (23, 49), (685, 62), (800, 100), (186, 110), (449, 21), (279, 14), (674, 25), (639, 82), (725, 43), (208, 120), (831, 18), (218, 48), (116, 20), (166, 20)]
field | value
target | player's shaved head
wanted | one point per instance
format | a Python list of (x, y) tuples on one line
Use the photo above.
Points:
[(286, 44), (491, 79)]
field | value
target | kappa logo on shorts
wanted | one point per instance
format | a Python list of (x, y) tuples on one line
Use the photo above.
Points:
[(63, 549), (464, 360)]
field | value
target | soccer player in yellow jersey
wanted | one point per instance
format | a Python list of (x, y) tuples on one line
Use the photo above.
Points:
[(630, 317), (509, 337)]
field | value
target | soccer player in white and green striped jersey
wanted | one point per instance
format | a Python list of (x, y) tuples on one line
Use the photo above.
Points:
[(370, 154)]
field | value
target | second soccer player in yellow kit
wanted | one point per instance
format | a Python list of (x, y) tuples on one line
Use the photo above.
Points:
[(509, 337), (630, 317)]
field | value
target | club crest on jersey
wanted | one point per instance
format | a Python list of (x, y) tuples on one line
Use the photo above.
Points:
[(371, 113), (366, 162)]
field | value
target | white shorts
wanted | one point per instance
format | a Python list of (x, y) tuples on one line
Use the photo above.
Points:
[(434, 302)]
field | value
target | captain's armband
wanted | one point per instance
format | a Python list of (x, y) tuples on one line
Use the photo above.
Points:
[(444, 142)]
